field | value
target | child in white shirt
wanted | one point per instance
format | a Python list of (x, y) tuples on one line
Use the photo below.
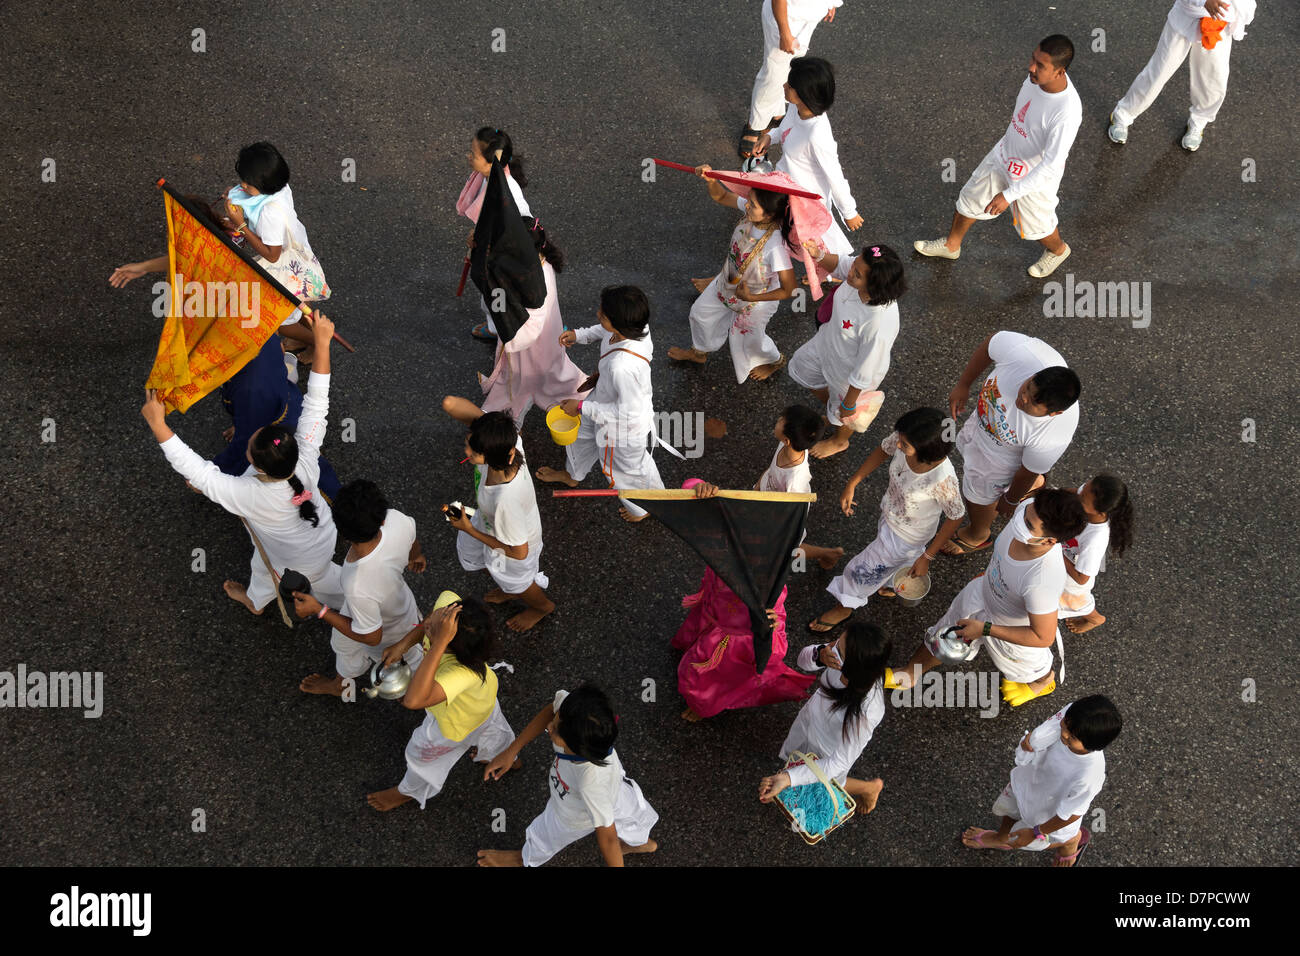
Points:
[(1059, 771), (590, 792), (922, 487), (1110, 525), (618, 415), (837, 721)]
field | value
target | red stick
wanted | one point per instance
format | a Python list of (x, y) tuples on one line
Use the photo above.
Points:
[(740, 180), (587, 493), (464, 274)]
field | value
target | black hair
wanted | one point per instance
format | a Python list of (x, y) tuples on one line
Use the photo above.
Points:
[(262, 167), (542, 243), (275, 451), (494, 139), (1094, 720), (1059, 48), (923, 429), (776, 209), (885, 281), (1061, 513), (1110, 497), (627, 309), (359, 511), (587, 724), (866, 652), (802, 425), (475, 641), (1057, 388), (813, 79), (494, 435)]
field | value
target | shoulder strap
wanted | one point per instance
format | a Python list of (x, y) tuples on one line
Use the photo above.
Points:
[(628, 351)]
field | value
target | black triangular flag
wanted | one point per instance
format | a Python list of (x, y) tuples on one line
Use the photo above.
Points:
[(504, 263)]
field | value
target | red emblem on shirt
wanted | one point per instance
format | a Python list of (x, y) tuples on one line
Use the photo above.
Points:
[(848, 324), (1072, 543), (1015, 167), (1024, 110)]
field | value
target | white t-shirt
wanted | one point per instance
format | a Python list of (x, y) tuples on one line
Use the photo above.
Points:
[(1054, 781), (775, 257), (854, 345), (584, 796), (1088, 553), (810, 156), (1005, 435), (1032, 152), (278, 222), (376, 592), (508, 511), (912, 502), (1015, 589), (819, 729), (797, 479)]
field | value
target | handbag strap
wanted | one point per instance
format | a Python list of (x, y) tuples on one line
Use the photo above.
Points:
[(754, 254), (284, 614), (810, 762), (628, 351)]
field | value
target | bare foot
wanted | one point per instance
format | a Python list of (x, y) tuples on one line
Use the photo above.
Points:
[(649, 846), (829, 561), (554, 476), (525, 620), (630, 518), (764, 372), (690, 715), (500, 858), (679, 354), (237, 592), (829, 446), (867, 802), (496, 596), (978, 839), (385, 800), (714, 428), (1082, 625), (315, 684), (701, 284)]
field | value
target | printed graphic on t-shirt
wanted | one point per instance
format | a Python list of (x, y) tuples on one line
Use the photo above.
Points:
[(996, 580), (992, 415), (557, 782)]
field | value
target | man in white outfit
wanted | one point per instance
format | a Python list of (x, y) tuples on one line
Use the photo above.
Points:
[(1203, 30), (1023, 171), (788, 27)]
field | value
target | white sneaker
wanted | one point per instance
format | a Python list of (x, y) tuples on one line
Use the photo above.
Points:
[(936, 247), (1048, 263), (1118, 132), (1192, 138)]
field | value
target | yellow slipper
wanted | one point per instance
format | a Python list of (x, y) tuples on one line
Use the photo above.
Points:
[(1016, 693), (890, 683)]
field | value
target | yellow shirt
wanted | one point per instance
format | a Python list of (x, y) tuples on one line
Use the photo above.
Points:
[(469, 700)]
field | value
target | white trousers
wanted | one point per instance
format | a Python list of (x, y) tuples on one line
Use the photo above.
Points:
[(874, 566), (1209, 78), (326, 588), (712, 324), (430, 756), (633, 820), (768, 99), (625, 466)]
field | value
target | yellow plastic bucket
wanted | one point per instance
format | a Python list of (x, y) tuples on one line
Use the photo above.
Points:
[(564, 428)]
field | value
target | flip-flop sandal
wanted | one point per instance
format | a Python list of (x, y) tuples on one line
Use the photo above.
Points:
[(1085, 838), (963, 547), (979, 838), (891, 683), (825, 627), (748, 135), (887, 592), (481, 332)]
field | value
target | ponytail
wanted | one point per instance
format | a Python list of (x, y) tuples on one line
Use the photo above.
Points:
[(306, 510), (494, 139), (1110, 496), (866, 652)]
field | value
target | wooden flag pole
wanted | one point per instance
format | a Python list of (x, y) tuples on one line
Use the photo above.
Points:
[(681, 494)]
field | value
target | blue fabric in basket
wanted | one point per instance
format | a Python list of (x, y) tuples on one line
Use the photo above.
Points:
[(812, 807)]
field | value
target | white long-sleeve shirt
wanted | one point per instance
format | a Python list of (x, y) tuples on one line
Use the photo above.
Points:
[(622, 403), (810, 156), (1033, 150), (290, 542), (1053, 780), (819, 729)]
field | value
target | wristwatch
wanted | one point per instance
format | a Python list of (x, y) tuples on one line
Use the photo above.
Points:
[(988, 628)]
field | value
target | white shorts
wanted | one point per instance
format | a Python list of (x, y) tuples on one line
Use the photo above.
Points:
[(1076, 604), (1015, 661), (984, 477), (352, 658), (1033, 214), (512, 575), (633, 819), (874, 566), (1005, 806), (430, 756)]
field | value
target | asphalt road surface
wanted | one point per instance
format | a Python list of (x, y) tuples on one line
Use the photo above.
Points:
[(201, 704)]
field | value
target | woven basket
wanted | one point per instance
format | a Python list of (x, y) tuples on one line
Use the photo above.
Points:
[(850, 805)]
